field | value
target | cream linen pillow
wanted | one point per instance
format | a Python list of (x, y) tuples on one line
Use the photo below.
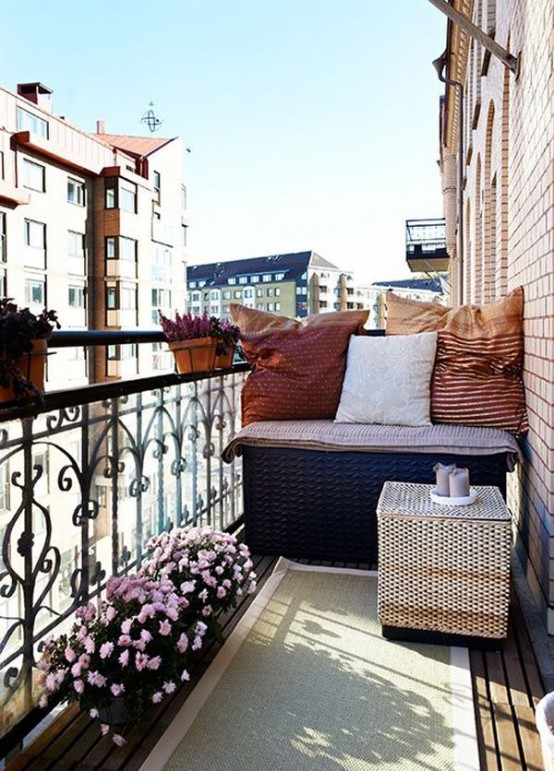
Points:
[(388, 380)]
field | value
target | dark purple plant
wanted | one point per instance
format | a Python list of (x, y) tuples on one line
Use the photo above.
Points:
[(18, 328)]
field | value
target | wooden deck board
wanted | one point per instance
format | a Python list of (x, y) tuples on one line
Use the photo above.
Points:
[(506, 686)]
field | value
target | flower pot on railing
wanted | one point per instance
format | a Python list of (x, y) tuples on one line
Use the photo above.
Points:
[(196, 355), (31, 367), (224, 355)]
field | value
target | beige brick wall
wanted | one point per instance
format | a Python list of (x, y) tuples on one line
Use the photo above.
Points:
[(509, 206)]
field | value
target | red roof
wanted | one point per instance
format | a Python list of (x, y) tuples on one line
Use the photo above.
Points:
[(138, 146)]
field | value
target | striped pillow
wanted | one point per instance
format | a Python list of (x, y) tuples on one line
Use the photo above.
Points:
[(297, 366), (477, 378)]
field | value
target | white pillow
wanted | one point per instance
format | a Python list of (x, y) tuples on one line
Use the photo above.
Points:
[(388, 380)]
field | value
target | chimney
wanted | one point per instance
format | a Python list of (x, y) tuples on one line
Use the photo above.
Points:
[(36, 93), (100, 127)]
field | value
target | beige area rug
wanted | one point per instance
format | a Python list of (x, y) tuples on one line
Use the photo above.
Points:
[(306, 681)]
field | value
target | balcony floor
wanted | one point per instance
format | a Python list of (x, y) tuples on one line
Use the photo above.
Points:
[(507, 685)]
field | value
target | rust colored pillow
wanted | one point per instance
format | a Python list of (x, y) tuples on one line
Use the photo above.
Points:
[(297, 366), (477, 378)]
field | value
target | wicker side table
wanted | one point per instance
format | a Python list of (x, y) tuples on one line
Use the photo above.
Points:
[(443, 570)]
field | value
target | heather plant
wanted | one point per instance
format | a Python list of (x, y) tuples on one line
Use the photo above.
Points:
[(186, 326), (226, 333)]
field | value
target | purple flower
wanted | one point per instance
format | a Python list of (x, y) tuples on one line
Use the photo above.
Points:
[(119, 740), (117, 689), (79, 686), (154, 663), (165, 628), (182, 643), (106, 650), (124, 658), (157, 697), (70, 654)]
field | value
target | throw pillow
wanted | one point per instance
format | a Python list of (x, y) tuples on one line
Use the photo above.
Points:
[(477, 379), (388, 380), (297, 365)]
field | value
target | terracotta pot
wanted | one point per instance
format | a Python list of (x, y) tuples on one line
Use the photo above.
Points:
[(225, 360), (195, 355), (31, 366)]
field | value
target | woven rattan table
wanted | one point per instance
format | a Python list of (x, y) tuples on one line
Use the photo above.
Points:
[(443, 570)]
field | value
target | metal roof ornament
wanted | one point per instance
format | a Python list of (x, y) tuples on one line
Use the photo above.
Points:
[(150, 119)]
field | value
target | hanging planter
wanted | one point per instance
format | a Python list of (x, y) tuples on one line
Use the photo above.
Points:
[(224, 355), (31, 366), (196, 355), (199, 343), (23, 350)]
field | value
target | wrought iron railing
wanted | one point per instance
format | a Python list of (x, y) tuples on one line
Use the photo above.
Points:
[(84, 482)]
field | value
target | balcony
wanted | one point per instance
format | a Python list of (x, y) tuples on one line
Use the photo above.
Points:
[(84, 483), (426, 246)]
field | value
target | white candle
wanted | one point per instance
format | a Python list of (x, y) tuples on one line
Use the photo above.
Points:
[(459, 483), (443, 474)]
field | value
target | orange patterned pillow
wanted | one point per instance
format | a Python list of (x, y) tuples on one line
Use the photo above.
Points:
[(477, 378), (297, 366)]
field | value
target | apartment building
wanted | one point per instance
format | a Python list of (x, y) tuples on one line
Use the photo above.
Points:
[(91, 224), (497, 143), (295, 285)]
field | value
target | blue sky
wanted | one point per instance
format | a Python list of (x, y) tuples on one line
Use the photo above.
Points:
[(313, 124)]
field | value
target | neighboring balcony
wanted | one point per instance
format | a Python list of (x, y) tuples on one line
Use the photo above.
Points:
[(426, 246)]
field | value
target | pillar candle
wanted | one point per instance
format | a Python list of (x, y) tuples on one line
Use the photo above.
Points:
[(443, 473), (459, 483)]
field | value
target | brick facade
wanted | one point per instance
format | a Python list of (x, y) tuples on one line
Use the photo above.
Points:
[(509, 231)]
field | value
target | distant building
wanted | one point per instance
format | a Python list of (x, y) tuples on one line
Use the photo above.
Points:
[(91, 225), (373, 296), (294, 285)]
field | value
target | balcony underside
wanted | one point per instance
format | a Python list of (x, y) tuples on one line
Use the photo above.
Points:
[(506, 684)]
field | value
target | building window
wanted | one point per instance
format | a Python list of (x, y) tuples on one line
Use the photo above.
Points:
[(76, 296), (4, 487), (3, 250), (127, 249), (238, 294), (267, 277), (183, 198), (127, 298), (232, 280), (227, 295), (76, 191), (277, 291), (161, 299), (35, 292), (277, 306), (35, 234), (128, 196), (110, 193), (195, 297), (279, 276), (26, 121), (3, 284), (259, 292), (248, 293), (254, 279), (111, 248), (75, 244), (157, 186), (192, 284), (122, 352), (270, 292), (34, 176), (214, 295), (184, 229), (243, 280), (111, 298), (2, 167)]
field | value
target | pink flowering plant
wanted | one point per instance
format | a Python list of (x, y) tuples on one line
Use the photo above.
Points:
[(210, 566), (134, 648)]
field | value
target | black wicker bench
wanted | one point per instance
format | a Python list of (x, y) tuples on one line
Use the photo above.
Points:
[(311, 487)]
